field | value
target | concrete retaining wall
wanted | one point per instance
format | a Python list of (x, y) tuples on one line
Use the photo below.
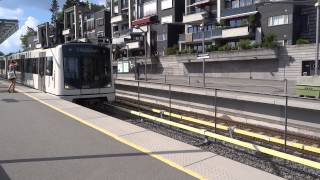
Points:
[(288, 64)]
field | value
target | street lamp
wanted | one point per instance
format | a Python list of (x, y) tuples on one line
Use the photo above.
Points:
[(316, 3), (145, 48)]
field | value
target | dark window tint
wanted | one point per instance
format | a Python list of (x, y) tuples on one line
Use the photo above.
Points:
[(49, 66), (71, 72)]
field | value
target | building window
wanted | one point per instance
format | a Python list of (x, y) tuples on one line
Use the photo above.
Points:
[(237, 3), (149, 8), (166, 4), (90, 24), (278, 20), (100, 22), (305, 23), (166, 19), (116, 10), (162, 37)]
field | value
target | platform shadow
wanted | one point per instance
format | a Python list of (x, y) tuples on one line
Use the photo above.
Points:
[(3, 174), (98, 156), (9, 100)]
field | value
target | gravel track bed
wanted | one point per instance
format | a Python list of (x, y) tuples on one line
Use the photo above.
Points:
[(277, 166)]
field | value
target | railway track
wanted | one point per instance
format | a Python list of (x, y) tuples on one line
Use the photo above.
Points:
[(302, 156), (297, 144)]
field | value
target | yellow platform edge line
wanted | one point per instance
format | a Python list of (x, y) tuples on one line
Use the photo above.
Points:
[(122, 140), (236, 130), (251, 146), (244, 132)]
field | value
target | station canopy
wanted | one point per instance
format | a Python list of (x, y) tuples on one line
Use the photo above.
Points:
[(7, 28)]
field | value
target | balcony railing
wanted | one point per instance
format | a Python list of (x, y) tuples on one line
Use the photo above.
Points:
[(212, 34), (235, 32), (240, 10), (120, 33)]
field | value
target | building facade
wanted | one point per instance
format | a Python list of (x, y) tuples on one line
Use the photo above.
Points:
[(145, 27), (87, 25), (229, 21)]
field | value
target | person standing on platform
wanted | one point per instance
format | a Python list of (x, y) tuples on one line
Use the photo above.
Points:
[(12, 76)]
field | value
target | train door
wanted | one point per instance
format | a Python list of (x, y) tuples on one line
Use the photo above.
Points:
[(41, 75)]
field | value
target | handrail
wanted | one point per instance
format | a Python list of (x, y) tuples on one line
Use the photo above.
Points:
[(224, 89)]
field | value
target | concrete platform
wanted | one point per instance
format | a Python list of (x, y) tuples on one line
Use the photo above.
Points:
[(44, 137)]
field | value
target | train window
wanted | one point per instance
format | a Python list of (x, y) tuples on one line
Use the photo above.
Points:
[(28, 66), (71, 72), (34, 66), (49, 66)]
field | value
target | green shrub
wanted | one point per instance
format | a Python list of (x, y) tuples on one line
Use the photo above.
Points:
[(302, 41), (212, 48), (225, 47), (244, 44), (183, 51), (269, 41), (172, 50), (252, 19), (256, 45)]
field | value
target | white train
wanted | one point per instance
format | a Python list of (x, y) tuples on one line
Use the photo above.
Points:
[(72, 71)]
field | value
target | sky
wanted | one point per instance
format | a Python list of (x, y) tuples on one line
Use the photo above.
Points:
[(30, 13)]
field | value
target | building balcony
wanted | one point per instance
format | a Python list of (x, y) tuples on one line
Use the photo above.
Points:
[(201, 3), (119, 18), (235, 32), (121, 33), (135, 45), (193, 18), (238, 12), (196, 37), (145, 20)]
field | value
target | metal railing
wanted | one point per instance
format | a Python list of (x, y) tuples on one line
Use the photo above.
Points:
[(217, 94)]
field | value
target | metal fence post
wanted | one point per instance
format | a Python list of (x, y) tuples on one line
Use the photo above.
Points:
[(286, 124), (189, 80), (170, 102), (139, 103), (165, 78), (215, 110)]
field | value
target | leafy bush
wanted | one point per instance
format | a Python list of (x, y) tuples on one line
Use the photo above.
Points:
[(252, 19), (244, 44), (172, 50), (302, 41), (225, 47), (212, 48), (269, 41), (256, 45)]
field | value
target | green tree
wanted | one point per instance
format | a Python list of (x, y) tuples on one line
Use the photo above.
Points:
[(70, 3), (54, 11), (1, 53), (24, 38)]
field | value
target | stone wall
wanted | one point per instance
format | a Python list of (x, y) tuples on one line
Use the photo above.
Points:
[(288, 64)]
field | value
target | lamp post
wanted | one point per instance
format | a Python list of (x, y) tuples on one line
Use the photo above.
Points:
[(145, 48), (316, 3), (203, 51)]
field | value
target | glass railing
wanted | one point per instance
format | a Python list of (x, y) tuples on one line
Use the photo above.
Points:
[(207, 35)]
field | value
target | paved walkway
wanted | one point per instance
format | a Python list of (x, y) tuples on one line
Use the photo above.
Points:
[(44, 137)]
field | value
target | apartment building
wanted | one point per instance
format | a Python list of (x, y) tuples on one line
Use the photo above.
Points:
[(87, 25), (146, 27), (228, 21)]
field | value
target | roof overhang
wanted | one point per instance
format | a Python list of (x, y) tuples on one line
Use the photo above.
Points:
[(7, 28), (145, 20)]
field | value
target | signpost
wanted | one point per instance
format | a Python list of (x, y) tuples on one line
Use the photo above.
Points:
[(203, 57)]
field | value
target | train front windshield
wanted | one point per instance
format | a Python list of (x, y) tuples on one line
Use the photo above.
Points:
[(86, 67)]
